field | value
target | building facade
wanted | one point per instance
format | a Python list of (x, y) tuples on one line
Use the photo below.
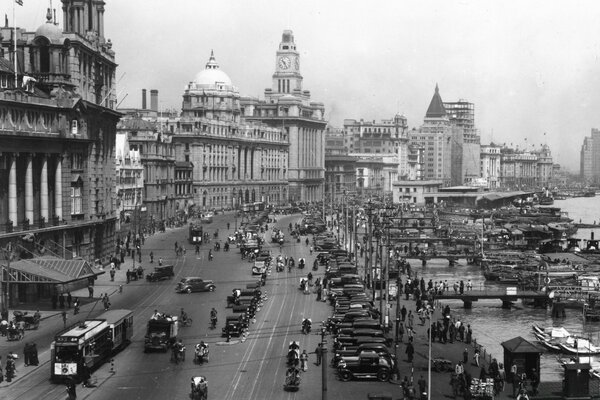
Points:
[(450, 142), (57, 159), (490, 165), (235, 161), (287, 107), (129, 179), (590, 158)]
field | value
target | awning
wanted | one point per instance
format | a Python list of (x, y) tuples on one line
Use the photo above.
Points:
[(49, 270)]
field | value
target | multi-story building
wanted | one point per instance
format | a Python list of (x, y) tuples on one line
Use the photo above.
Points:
[(129, 179), (234, 161), (414, 163), (450, 142), (590, 158), (57, 161), (340, 168), (518, 169), (490, 165), (151, 140), (544, 166), (287, 107), (388, 138)]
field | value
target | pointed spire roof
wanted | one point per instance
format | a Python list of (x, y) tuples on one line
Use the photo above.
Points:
[(436, 107)]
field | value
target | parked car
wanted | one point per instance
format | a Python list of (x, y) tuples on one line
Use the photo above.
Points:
[(160, 273), (259, 267), (367, 365), (351, 355), (195, 284)]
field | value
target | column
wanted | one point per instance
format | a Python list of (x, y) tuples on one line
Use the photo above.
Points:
[(12, 189), (44, 189), (29, 189)]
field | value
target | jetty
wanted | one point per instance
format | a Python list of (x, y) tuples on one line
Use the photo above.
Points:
[(507, 296)]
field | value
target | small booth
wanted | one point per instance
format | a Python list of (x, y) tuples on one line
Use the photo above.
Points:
[(576, 383), (524, 354)]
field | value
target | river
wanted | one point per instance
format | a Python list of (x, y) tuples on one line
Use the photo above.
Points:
[(493, 325)]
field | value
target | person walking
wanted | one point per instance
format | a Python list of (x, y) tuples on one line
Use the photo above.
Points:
[(304, 361), (64, 318), (403, 313), (476, 357), (319, 353), (411, 319), (90, 291), (151, 257), (410, 351), (422, 383), (535, 381), (465, 356), (69, 299)]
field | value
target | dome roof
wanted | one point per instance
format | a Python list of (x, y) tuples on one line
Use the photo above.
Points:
[(212, 74), (50, 31)]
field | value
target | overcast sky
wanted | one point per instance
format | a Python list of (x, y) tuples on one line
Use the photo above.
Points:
[(530, 67)]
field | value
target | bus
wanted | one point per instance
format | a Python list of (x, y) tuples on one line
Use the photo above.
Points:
[(89, 344), (195, 236)]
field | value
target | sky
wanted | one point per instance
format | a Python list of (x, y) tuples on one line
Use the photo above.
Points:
[(530, 67)]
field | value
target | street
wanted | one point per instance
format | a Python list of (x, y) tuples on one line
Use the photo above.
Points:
[(254, 369)]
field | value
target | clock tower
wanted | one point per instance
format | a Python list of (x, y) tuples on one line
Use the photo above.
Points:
[(287, 77)]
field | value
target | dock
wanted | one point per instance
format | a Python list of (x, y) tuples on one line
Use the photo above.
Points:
[(507, 297)]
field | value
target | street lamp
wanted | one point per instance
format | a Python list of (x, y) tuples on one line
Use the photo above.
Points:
[(323, 362), (430, 314)]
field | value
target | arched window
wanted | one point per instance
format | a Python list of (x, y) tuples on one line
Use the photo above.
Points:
[(43, 45)]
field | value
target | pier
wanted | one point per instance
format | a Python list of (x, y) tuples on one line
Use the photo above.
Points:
[(539, 297)]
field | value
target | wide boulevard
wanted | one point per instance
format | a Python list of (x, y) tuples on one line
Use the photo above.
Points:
[(252, 369)]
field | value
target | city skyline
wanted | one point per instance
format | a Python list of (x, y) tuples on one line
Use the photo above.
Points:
[(528, 72)]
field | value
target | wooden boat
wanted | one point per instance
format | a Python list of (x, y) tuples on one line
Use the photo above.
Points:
[(579, 346), (551, 337)]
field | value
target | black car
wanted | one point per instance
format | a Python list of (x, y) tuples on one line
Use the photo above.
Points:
[(160, 273), (366, 365)]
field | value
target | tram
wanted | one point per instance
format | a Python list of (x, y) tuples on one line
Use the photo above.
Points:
[(89, 344)]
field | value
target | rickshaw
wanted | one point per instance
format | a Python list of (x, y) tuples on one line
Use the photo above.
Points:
[(201, 354), (292, 379), (199, 388), (13, 334)]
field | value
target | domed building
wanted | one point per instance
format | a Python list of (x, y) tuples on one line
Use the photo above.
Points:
[(234, 161), (211, 95)]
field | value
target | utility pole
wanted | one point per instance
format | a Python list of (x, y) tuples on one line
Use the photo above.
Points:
[(323, 363), (5, 296)]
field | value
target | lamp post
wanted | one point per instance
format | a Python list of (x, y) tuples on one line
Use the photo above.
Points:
[(429, 357), (323, 363)]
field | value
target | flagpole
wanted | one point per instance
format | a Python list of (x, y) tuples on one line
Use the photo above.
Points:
[(15, 43)]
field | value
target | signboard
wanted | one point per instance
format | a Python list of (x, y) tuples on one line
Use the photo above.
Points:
[(65, 368)]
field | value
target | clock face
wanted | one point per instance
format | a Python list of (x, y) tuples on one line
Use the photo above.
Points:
[(284, 62), (297, 63)]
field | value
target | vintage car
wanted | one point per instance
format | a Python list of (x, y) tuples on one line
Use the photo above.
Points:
[(234, 325), (160, 273), (259, 268), (367, 365), (195, 284)]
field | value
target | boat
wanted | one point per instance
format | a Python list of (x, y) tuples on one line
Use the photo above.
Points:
[(551, 337), (579, 346)]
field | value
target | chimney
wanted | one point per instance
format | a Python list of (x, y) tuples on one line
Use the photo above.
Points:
[(143, 99), (154, 100)]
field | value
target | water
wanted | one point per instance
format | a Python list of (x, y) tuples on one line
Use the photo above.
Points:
[(493, 325)]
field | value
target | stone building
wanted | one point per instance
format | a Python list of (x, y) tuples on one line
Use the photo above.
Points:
[(590, 158), (129, 179), (288, 107), (57, 159), (340, 168), (234, 161), (450, 142), (490, 165)]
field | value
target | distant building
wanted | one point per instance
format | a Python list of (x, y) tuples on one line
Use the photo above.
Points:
[(340, 168), (129, 179), (590, 158), (450, 142), (414, 191), (491, 165), (287, 107), (415, 160), (526, 169)]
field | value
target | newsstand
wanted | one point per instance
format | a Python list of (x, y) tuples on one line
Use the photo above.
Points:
[(482, 389)]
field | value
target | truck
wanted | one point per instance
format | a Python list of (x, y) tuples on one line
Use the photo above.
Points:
[(161, 333)]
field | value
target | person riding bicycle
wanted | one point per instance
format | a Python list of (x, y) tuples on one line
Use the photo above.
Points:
[(183, 317)]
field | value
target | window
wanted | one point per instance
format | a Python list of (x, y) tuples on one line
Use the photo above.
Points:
[(76, 161), (74, 127), (76, 199)]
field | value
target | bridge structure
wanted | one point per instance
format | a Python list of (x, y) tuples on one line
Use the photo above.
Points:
[(507, 297)]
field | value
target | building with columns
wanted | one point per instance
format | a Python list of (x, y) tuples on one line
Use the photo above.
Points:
[(490, 165), (57, 158), (288, 107), (235, 161)]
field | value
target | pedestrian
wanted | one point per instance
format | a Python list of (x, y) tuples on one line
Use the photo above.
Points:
[(535, 381), (401, 332), (516, 382), (71, 390), (422, 385), (151, 257), (304, 361), (160, 261), (26, 352), (403, 313), (64, 318), (410, 351), (469, 337), (112, 274), (10, 367), (319, 353), (69, 299), (476, 357), (411, 319), (318, 292), (465, 356), (127, 275), (90, 291)]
